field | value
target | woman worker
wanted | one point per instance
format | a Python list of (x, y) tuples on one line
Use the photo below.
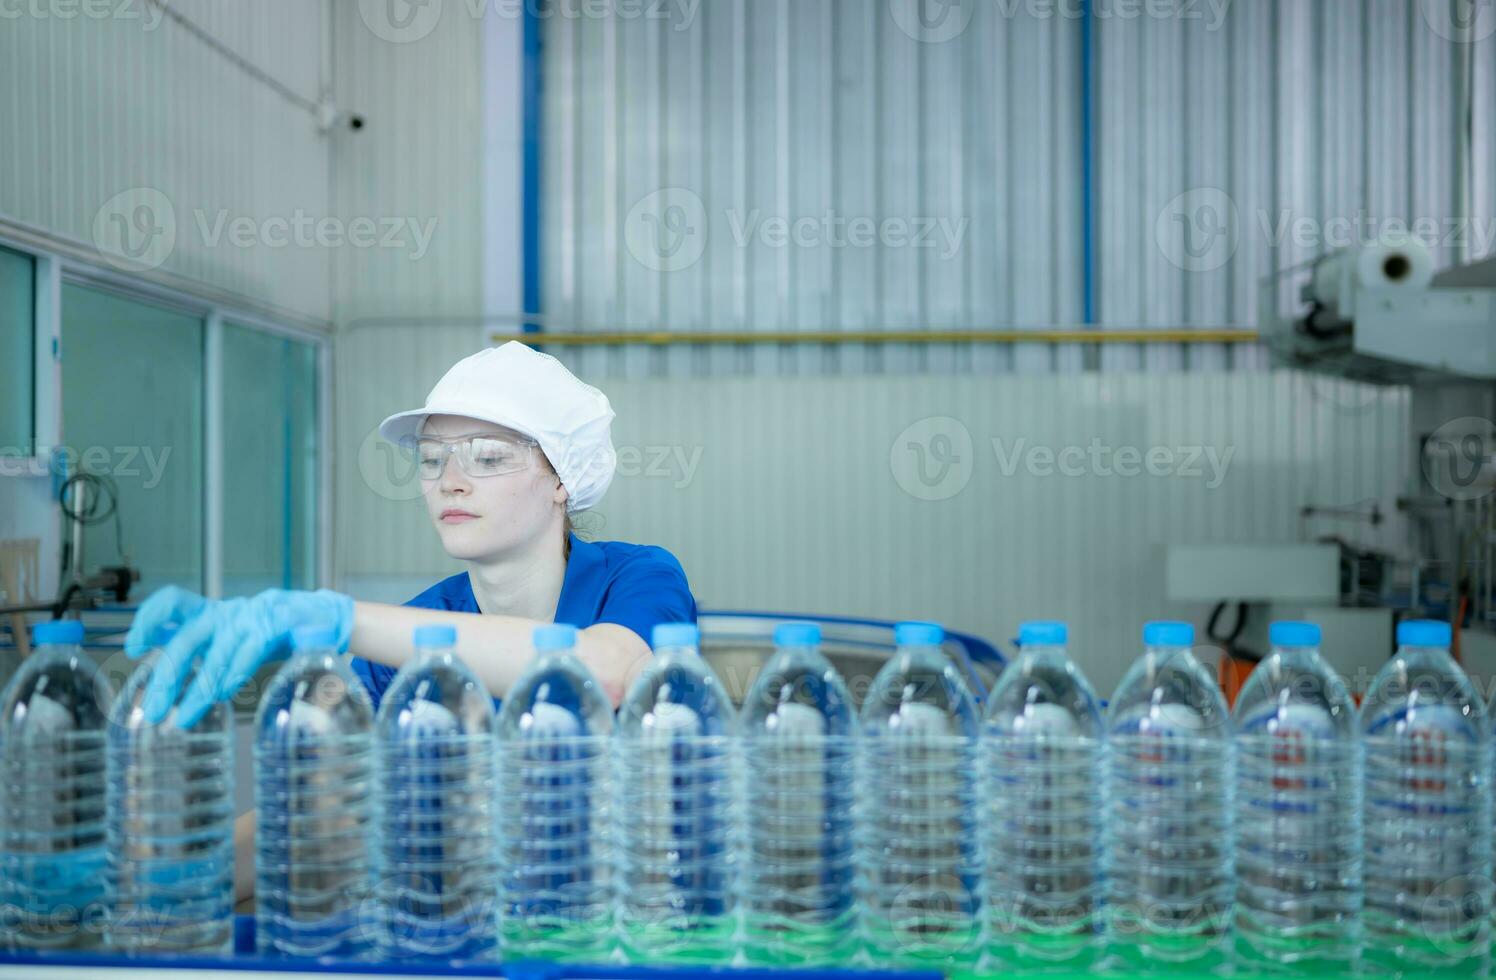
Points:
[(509, 445)]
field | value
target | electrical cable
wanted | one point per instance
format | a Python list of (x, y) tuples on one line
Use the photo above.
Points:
[(238, 60), (103, 504)]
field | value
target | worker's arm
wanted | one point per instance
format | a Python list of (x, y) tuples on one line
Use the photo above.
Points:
[(495, 647)]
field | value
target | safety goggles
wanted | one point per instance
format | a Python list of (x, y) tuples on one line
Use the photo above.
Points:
[(479, 456)]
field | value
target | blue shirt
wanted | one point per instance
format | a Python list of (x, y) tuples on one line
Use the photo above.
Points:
[(631, 585)]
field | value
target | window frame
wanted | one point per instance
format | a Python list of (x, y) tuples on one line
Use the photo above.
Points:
[(53, 269)]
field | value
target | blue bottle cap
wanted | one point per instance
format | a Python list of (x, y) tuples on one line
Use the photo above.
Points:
[(61, 632), (1165, 633), (435, 636), (674, 635), (797, 635), (555, 636), (1291, 634), (1042, 633), (915, 634), (1423, 633), (317, 636)]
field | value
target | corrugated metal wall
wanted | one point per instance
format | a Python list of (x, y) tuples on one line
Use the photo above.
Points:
[(1229, 123), (419, 158), (920, 495), (825, 112), (100, 99)]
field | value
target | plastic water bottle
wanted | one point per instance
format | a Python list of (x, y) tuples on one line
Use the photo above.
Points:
[(1170, 885), (1042, 753), (314, 800), (438, 855), (1428, 808), (52, 807), (556, 887), (918, 854), (1298, 807), (675, 756), (799, 730), (171, 825)]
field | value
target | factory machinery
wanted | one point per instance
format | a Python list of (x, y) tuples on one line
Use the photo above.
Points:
[(1377, 313)]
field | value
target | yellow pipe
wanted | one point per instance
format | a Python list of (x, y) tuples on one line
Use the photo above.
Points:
[(659, 338)]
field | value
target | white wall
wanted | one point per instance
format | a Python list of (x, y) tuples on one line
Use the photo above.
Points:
[(101, 105)]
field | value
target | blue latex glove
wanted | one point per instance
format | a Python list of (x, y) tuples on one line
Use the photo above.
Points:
[(170, 606), (229, 641)]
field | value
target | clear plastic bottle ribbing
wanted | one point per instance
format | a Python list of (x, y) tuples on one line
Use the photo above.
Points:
[(675, 753), (1427, 805), (799, 740), (555, 808), (315, 791), (918, 850), (53, 875), (171, 825), (1169, 874), (1042, 755), (438, 853), (1298, 808)]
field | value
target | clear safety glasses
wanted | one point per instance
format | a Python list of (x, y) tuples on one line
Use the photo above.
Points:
[(479, 456)]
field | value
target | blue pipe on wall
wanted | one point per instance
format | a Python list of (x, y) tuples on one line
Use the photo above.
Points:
[(1087, 206)]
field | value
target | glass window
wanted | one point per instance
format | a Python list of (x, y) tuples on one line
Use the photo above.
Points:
[(132, 410), (17, 355), (270, 457)]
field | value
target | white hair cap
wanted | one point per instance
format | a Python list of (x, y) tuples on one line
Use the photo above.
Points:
[(535, 395)]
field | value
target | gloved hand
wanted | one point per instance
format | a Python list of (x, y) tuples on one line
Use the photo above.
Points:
[(170, 606), (229, 641)]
